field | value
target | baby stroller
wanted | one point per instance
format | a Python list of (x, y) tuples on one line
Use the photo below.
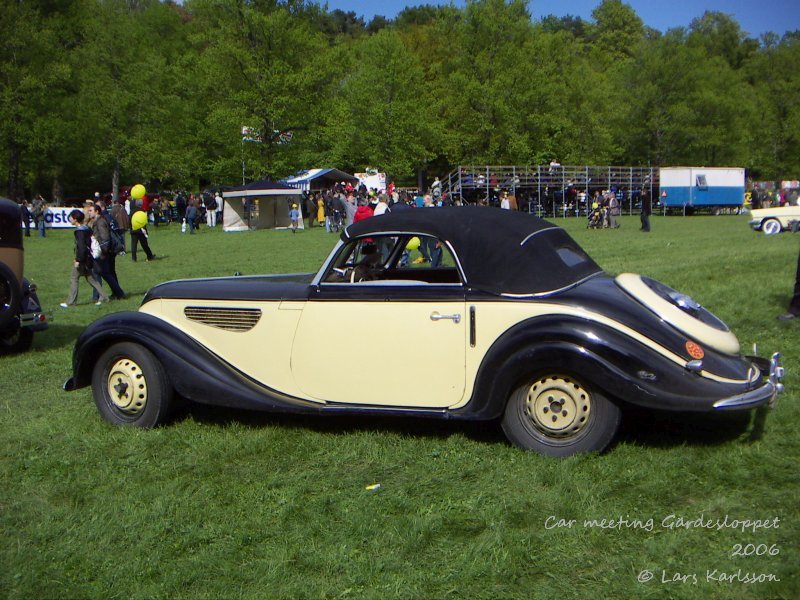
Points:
[(336, 220), (595, 219)]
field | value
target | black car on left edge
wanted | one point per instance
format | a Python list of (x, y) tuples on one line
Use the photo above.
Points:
[(20, 312)]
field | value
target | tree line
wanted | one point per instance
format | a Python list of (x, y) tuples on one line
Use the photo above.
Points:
[(100, 93)]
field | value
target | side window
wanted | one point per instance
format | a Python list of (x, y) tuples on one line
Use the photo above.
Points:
[(426, 258), (394, 260), (701, 182)]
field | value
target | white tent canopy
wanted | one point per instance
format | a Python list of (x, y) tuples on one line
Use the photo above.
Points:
[(259, 205), (318, 179)]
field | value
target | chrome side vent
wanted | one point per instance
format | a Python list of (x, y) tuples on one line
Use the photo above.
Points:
[(229, 319)]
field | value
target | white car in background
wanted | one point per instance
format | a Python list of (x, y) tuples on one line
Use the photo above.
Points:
[(774, 220)]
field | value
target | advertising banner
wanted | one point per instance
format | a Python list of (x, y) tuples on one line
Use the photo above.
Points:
[(56, 217), (376, 181)]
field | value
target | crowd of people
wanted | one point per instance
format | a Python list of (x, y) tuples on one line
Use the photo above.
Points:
[(345, 204)]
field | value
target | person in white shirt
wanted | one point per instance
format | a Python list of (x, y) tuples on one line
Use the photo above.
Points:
[(382, 206)]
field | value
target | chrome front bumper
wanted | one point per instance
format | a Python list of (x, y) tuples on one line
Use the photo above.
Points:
[(766, 394)]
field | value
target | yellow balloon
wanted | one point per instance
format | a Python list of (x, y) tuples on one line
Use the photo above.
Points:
[(413, 243), (138, 220), (138, 191)]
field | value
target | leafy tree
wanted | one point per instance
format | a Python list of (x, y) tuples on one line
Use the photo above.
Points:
[(273, 70), (33, 85), (682, 107), (384, 117), (720, 35), (617, 30), (569, 23), (774, 79)]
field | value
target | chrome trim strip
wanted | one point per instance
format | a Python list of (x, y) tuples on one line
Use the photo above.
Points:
[(535, 233), (553, 292)]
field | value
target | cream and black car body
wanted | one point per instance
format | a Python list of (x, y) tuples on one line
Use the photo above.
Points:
[(510, 320), (776, 219)]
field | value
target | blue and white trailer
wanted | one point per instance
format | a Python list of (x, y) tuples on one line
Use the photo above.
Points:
[(710, 188)]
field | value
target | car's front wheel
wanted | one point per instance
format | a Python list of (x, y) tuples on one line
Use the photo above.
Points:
[(558, 415), (130, 386)]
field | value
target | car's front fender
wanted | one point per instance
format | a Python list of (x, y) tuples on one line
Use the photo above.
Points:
[(604, 358)]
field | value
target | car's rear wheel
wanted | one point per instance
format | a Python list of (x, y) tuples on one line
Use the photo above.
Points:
[(130, 386), (771, 227), (558, 415)]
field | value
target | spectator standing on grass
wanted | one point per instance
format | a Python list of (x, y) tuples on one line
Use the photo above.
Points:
[(613, 210), (180, 206), (350, 206), (647, 209), (794, 303), (220, 203), (26, 216), (38, 212), (83, 262), (311, 208), (140, 236), (211, 212), (320, 211), (191, 214), (294, 217)]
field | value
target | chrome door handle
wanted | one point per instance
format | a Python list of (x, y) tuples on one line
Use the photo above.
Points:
[(435, 316)]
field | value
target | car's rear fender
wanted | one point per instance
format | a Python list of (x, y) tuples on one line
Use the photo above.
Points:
[(195, 372)]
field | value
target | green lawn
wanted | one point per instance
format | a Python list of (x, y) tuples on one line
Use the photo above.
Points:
[(234, 504)]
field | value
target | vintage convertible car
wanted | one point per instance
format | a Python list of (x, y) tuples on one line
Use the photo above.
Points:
[(776, 219), (505, 318), (20, 312)]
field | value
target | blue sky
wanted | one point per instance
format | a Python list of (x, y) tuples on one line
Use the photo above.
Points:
[(754, 16)]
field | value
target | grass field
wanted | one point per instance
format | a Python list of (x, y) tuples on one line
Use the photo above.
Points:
[(234, 504)]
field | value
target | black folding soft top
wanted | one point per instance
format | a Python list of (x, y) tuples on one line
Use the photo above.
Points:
[(501, 251)]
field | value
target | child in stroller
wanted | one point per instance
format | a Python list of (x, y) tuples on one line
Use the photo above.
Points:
[(595, 219)]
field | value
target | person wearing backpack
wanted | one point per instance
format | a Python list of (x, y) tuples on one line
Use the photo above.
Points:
[(105, 264), (122, 221), (83, 262)]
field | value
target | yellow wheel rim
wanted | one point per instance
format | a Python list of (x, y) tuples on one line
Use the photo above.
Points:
[(127, 386), (557, 406)]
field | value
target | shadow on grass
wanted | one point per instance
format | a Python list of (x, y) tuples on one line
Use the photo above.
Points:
[(56, 336), (646, 428), (661, 429), (479, 431)]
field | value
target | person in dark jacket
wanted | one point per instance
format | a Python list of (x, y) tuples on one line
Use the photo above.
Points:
[(121, 218), (83, 263), (647, 209), (105, 266), (26, 216)]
